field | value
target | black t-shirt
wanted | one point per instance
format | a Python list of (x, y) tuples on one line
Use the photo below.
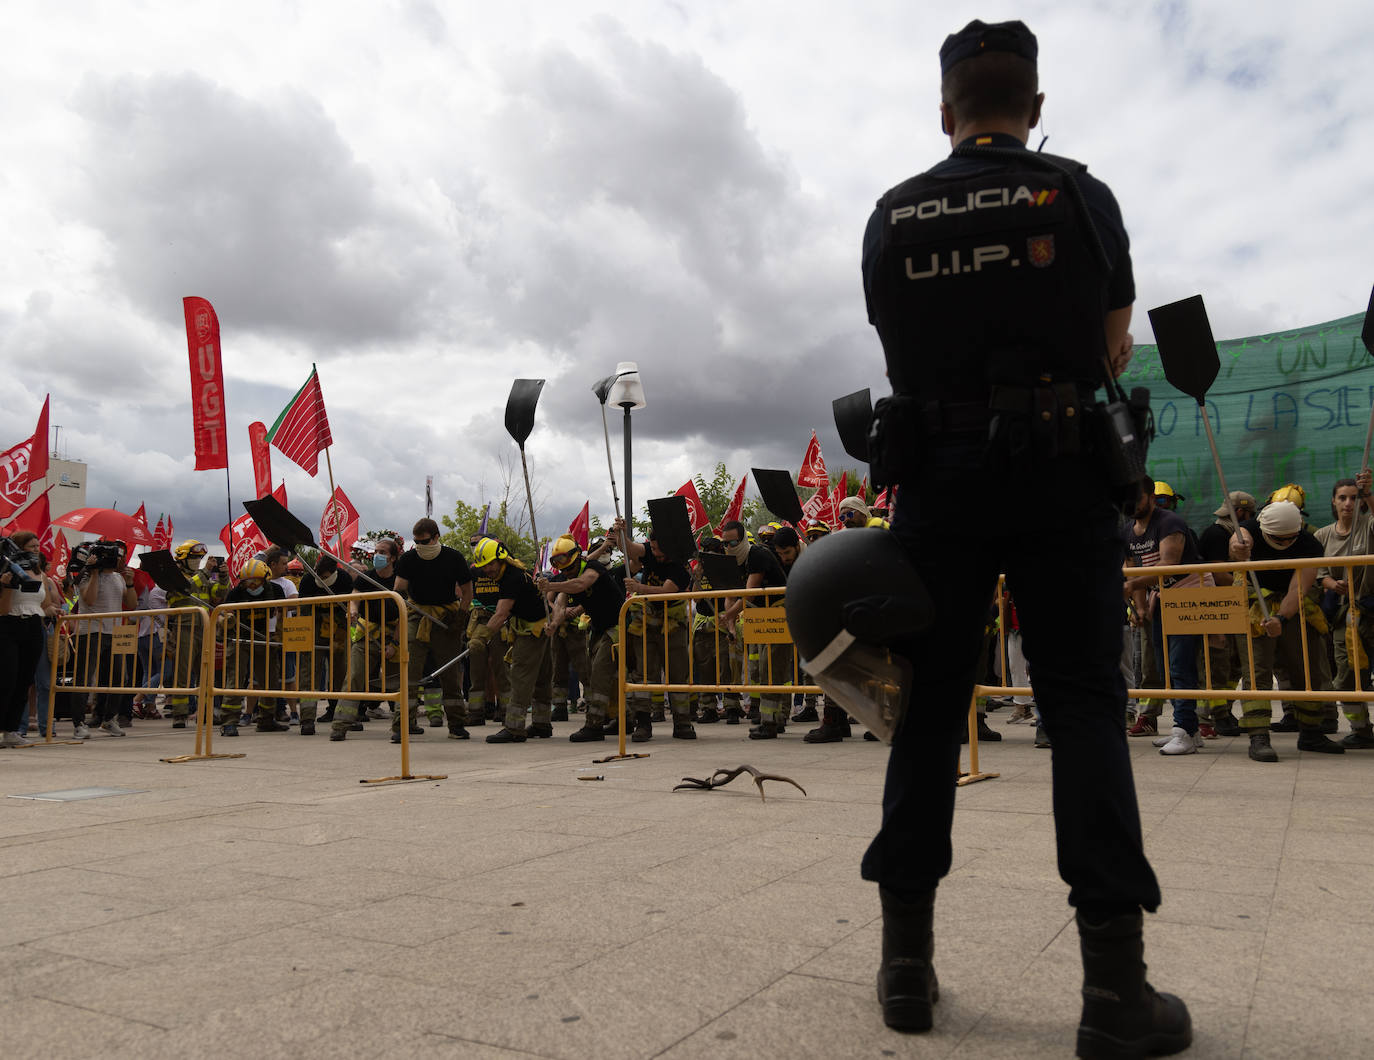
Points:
[(602, 602), (1214, 544), (373, 610), (1277, 581), (660, 572), (255, 623), (1143, 547), (516, 584), (764, 561), (431, 581)]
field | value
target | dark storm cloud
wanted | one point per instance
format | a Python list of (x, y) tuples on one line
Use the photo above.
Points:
[(198, 191)]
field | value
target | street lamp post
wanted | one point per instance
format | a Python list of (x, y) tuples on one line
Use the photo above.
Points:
[(628, 393)]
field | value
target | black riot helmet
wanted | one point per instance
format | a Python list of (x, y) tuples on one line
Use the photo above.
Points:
[(850, 597)]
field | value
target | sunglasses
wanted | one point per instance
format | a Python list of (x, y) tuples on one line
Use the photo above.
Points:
[(425, 540)]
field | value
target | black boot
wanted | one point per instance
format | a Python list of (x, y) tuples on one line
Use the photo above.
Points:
[(764, 730), (807, 713), (644, 727), (907, 986), (1261, 750), (1225, 722), (560, 712), (830, 730), (709, 716), (1312, 738), (1123, 1016)]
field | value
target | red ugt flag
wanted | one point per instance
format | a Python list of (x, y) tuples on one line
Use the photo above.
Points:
[(165, 541), (338, 513), (812, 471), (247, 540), (302, 429), (736, 504), (696, 511), (207, 384), (54, 546), (817, 506), (23, 464), (262, 459), (581, 527)]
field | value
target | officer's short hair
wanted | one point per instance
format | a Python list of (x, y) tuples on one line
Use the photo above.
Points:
[(991, 86), (426, 526)]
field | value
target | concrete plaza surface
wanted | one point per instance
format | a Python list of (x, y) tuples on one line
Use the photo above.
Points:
[(273, 906)]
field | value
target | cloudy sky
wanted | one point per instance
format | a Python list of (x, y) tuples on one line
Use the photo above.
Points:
[(431, 199)]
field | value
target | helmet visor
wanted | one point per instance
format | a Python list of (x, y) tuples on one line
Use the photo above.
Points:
[(868, 681), (561, 560)]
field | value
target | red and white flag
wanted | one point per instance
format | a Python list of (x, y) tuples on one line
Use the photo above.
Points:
[(280, 493), (834, 519), (863, 491), (166, 540), (208, 426), (35, 516), (302, 429), (242, 540), (736, 504), (158, 531), (54, 546), (581, 527), (141, 517), (817, 506), (262, 459), (347, 539), (812, 471), (696, 511), (880, 501), (23, 464), (338, 513)]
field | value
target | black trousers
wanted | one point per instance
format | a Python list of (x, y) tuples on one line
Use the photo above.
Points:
[(21, 645), (1053, 533)]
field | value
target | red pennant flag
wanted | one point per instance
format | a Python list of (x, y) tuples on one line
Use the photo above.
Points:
[(581, 527), (863, 491), (842, 487), (54, 546), (158, 531), (141, 517), (338, 513), (348, 538), (813, 466), (23, 464), (167, 534), (696, 511), (207, 384), (262, 459), (302, 429), (817, 506), (247, 540), (34, 517), (834, 519), (736, 504), (280, 493)]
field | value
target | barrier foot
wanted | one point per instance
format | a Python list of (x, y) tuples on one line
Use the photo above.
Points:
[(406, 779), (48, 743), (199, 758), (618, 758), (973, 778)]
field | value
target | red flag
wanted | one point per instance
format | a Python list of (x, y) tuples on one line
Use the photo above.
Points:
[(23, 464), (817, 506), (880, 501), (581, 527), (863, 491), (736, 504), (813, 466), (696, 511), (247, 540), (834, 519), (842, 487), (141, 516), (337, 514), (207, 384), (302, 429), (262, 459), (167, 534), (158, 531), (280, 493), (54, 546), (347, 539), (34, 517)]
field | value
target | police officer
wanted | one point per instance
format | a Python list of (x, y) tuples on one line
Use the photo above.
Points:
[(1000, 284)]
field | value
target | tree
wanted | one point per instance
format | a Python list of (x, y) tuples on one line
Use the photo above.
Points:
[(463, 523)]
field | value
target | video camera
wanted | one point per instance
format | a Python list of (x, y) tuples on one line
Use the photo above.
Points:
[(24, 565), (96, 556)]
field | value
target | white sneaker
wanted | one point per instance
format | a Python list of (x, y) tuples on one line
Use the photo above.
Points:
[(13, 739), (112, 727), (1180, 743), (83, 732)]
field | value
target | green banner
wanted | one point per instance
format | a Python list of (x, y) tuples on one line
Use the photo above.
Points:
[(1288, 407)]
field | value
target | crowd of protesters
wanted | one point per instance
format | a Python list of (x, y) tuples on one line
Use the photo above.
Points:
[(558, 643)]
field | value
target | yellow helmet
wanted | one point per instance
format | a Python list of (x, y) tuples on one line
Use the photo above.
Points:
[(187, 547), (880, 523), (1290, 492), (564, 552), (1163, 489), (255, 568), (817, 528), (488, 550), (767, 530)]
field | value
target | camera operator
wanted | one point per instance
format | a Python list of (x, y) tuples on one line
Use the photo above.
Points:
[(21, 630), (104, 585)]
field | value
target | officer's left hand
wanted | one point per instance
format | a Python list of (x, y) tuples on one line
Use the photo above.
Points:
[(1362, 481), (1273, 626)]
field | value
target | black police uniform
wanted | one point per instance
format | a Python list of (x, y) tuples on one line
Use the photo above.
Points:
[(989, 291)]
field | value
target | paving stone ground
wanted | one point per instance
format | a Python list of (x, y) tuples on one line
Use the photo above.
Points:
[(273, 906)]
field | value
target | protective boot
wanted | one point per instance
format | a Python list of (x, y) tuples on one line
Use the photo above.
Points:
[(1123, 1015), (1312, 738), (1261, 750), (831, 729), (644, 727), (560, 712), (907, 986), (807, 713), (1361, 738)]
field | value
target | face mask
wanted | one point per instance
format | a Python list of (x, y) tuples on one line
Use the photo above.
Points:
[(429, 551), (257, 591), (380, 562), (330, 579), (739, 550)]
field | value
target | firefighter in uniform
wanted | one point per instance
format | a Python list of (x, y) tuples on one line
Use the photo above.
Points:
[(1000, 285), (520, 607), (329, 666), (439, 584), (185, 631), (585, 591), (486, 662), (712, 662)]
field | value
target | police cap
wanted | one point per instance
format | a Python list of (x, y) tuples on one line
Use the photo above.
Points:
[(979, 37)]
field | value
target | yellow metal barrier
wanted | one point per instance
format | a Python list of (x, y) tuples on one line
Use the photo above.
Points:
[(258, 637)]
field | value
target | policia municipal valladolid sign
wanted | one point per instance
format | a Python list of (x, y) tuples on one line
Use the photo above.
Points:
[(1287, 407)]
